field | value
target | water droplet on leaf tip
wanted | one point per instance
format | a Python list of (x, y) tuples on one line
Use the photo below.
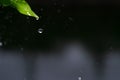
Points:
[(37, 18)]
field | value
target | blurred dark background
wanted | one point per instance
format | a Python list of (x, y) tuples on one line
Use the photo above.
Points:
[(94, 22)]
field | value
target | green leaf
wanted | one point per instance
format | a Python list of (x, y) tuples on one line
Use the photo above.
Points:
[(21, 5)]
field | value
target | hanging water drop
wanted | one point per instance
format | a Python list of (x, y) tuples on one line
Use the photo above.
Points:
[(37, 18), (40, 30)]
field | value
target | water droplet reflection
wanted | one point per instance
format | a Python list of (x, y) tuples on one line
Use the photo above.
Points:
[(79, 78)]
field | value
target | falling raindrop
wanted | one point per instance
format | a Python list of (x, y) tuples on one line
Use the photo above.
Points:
[(40, 30)]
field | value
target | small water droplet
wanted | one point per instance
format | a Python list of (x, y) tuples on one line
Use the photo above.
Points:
[(1, 44), (40, 30)]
